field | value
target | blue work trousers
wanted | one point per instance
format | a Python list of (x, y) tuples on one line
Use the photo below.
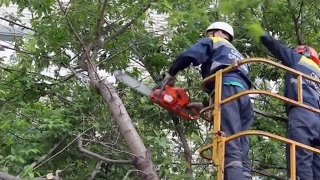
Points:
[(236, 116), (304, 127)]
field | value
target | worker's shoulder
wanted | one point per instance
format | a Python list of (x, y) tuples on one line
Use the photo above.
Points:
[(309, 63), (219, 39), (213, 40), (205, 40)]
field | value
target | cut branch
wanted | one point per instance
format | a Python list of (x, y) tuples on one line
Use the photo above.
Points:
[(90, 153), (5, 176)]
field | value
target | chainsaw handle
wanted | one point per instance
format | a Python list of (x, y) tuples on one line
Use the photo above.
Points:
[(195, 114), (182, 112), (163, 86), (190, 117)]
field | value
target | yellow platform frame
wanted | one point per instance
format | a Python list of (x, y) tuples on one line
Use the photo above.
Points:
[(219, 138)]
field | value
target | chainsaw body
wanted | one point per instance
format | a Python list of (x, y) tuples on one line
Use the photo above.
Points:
[(167, 96), (173, 99)]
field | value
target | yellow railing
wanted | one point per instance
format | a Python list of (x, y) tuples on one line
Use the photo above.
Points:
[(219, 138)]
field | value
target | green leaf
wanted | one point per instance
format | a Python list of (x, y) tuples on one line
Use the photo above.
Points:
[(31, 175), (21, 159), (35, 151)]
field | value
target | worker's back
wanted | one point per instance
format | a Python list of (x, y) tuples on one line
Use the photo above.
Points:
[(223, 55)]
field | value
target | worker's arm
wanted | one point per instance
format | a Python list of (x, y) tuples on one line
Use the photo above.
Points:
[(196, 54), (280, 51)]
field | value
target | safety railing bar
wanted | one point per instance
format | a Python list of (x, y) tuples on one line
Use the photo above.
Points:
[(205, 149), (293, 161), (264, 92), (251, 60), (262, 133), (268, 93), (266, 114), (300, 93)]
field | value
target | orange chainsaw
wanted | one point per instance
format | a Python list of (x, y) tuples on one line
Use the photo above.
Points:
[(173, 99)]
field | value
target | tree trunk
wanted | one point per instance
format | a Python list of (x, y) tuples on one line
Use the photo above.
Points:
[(142, 160)]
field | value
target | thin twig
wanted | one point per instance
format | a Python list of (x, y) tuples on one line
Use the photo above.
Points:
[(45, 156), (90, 153), (63, 148), (128, 173), (108, 146)]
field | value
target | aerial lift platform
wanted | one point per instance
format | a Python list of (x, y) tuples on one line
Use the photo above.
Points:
[(213, 113)]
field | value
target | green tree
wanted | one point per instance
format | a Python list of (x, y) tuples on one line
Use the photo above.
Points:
[(76, 124)]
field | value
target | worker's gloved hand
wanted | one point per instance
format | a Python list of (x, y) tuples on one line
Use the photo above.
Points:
[(255, 30), (195, 106), (167, 78)]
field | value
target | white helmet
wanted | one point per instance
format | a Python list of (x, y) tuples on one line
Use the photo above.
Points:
[(222, 26)]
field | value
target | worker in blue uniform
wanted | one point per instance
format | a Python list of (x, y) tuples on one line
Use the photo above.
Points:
[(303, 125), (214, 53)]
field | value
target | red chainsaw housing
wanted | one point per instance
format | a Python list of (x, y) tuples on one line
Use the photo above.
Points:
[(173, 99)]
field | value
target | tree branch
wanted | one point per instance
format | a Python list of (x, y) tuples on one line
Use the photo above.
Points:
[(270, 115), (131, 45), (25, 52), (69, 23), (20, 25), (88, 59), (185, 145), (267, 174), (296, 21), (100, 20), (111, 161), (126, 26), (28, 72)]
